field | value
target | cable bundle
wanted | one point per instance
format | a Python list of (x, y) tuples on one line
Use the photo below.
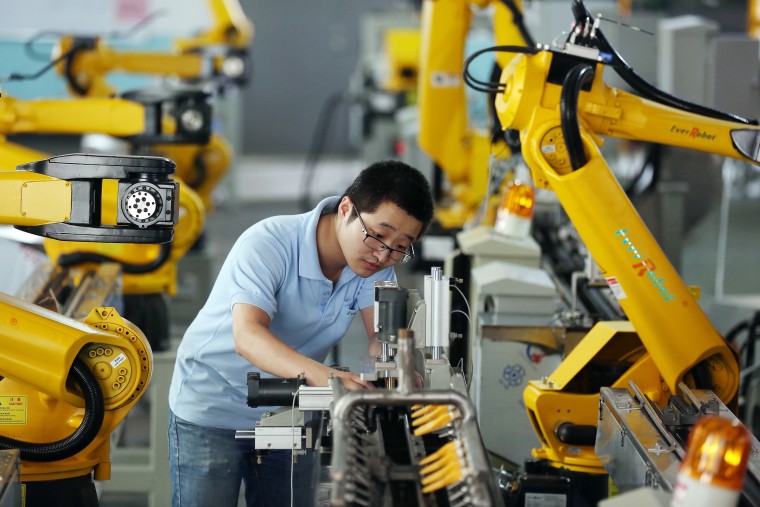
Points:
[(429, 418), (442, 468)]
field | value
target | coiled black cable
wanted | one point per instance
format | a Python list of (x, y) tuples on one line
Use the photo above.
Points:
[(94, 413), (568, 106)]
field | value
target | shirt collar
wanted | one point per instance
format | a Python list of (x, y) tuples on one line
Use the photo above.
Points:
[(308, 257)]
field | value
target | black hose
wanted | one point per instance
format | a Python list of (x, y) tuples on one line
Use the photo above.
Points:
[(496, 131), (597, 304), (568, 106), (652, 165), (733, 333), (747, 348), (746, 355), (80, 89), (752, 335), (485, 86), (94, 413), (702, 376), (15, 76), (201, 171), (72, 259), (317, 146)]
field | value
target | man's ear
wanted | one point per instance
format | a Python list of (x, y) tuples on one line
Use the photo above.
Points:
[(344, 207)]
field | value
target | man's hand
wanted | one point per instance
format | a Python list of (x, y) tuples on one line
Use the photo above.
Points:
[(351, 381)]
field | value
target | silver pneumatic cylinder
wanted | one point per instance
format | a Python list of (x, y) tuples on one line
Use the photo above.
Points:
[(437, 311)]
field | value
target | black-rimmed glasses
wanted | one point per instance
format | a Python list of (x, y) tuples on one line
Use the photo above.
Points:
[(378, 246)]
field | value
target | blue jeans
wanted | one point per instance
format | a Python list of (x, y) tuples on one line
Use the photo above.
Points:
[(207, 466)]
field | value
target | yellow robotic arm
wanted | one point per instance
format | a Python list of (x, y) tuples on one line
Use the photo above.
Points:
[(65, 384), (460, 151), (181, 117), (200, 165), (402, 51), (145, 270), (558, 101), (116, 116), (157, 117), (219, 55), (89, 60), (54, 198)]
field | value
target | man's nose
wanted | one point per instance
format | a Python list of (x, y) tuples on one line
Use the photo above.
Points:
[(382, 255)]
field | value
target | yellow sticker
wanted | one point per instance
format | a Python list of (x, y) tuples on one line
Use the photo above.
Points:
[(13, 409)]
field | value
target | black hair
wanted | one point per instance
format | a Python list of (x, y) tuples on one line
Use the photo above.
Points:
[(392, 181)]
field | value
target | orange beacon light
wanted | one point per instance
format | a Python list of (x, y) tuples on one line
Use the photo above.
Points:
[(712, 473), (515, 213)]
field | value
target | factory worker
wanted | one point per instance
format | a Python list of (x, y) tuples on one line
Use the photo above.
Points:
[(285, 295)]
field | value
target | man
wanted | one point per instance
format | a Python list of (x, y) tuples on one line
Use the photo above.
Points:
[(285, 295)]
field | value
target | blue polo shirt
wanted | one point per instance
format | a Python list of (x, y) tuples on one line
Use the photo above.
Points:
[(273, 265)]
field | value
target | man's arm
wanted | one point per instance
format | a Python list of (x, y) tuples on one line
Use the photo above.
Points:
[(368, 317), (256, 343)]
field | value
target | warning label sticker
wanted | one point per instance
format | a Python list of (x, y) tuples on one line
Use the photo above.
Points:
[(13, 409), (617, 289)]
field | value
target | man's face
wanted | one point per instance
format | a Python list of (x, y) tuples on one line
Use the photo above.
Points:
[(392, 226)]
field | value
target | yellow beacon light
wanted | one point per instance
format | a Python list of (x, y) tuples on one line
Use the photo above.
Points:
[(712, 473)]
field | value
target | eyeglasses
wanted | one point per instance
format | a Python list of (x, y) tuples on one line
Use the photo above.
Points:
[(378, 246)]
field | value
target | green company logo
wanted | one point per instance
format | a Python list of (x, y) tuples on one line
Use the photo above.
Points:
[(644, 267)]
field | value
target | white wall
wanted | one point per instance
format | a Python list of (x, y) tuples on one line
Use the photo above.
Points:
[(29, 17)]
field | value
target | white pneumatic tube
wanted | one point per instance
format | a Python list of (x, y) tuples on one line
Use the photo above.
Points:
[(437, 311)]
